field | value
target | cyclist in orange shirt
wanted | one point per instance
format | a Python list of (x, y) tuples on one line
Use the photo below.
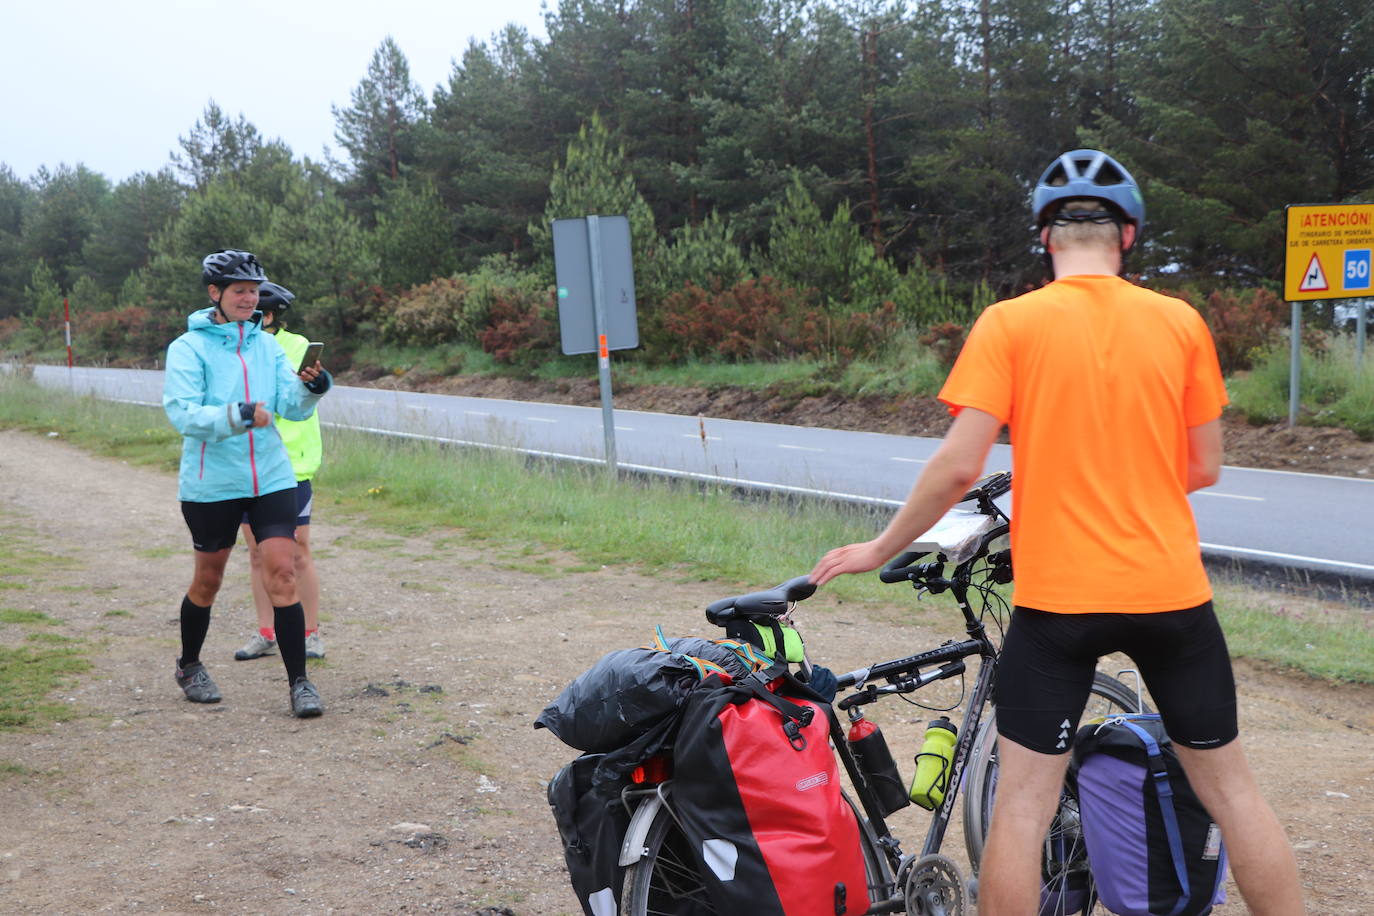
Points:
[(1113, 398)]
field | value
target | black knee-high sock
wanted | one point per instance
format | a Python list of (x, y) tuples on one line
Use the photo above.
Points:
[(290, 621), (195, 623)]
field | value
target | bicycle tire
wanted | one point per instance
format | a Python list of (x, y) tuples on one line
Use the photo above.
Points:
[(665, 881), (1065, 861)]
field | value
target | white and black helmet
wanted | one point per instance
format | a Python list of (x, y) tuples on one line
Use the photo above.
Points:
[(229, 265)]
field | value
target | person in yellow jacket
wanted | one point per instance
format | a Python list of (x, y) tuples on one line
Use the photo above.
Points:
[(303, 444)]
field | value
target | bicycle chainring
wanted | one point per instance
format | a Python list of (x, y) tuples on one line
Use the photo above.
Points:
[(934, 887)]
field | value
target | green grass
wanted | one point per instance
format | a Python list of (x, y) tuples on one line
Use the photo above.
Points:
[(10, 615), (1332, 391), (30, 673), (683, 532)]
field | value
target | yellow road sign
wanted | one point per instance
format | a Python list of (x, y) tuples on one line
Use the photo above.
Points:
[(1328, 251)]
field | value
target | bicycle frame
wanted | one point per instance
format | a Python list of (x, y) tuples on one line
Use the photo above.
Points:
[(950, 659)]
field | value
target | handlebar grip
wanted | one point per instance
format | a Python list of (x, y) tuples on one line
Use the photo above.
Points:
[(898, 569)]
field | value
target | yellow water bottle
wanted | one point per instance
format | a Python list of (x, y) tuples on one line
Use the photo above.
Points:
[(933, 764)]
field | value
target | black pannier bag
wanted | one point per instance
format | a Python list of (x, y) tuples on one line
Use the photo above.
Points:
[(591, 822)]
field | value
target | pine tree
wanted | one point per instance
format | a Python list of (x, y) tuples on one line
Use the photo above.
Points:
[(216, 147), (595, 180), (379, 128)]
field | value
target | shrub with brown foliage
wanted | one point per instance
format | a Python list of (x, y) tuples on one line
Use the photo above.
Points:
[(946, 340), (521, 328), (760, 319), (428, 313), (132, 333), (1244, 323)]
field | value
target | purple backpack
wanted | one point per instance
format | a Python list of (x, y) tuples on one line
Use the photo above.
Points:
[(1153, 848)]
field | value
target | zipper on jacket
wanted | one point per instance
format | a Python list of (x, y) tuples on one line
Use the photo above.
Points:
[(247, 396)]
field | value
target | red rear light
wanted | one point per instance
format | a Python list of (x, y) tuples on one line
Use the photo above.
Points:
[(652, 771)]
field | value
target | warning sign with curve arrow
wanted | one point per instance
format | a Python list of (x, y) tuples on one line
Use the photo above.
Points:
[(1314, 278)]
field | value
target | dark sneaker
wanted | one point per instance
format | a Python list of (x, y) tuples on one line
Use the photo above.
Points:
[(195, 682), (256, 647), (305, 700)]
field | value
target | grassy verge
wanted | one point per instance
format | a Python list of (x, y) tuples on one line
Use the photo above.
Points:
[(905, 368), (1332, 390), (684, 531)]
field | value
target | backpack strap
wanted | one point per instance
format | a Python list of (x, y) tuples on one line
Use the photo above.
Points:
[(1164, 794)]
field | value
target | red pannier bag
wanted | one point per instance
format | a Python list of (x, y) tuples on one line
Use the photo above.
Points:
[(756, 789)]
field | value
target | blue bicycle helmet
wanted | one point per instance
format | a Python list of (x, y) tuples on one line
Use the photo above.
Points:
[(273, 297), (1093, 174), (220, 268)]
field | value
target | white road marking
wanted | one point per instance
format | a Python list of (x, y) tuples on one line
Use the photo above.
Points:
[(698, 436), (1253, 499), (1246, 551), (910, 460), (477, 413), (540, 420), (802, 448)]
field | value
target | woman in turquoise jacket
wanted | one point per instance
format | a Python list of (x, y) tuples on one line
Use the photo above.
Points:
[(225, 379)]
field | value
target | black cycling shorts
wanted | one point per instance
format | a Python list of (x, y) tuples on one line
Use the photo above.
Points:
[(1045, 672), (305, 500), (215, 526)]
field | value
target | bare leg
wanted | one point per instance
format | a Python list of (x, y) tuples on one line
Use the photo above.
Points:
[(1260, 856), (278, 560), (261, 603), (1028, 785), (208, 576), (307, 580)]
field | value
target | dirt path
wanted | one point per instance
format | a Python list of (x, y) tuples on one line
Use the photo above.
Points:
[(422, 787)]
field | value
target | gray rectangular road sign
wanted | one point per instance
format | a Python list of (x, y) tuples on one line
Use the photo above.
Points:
[(573, 266)]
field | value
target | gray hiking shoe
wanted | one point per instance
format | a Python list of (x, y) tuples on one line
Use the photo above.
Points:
[(256, 647), (305, 700), (195, 682), (314, 646)]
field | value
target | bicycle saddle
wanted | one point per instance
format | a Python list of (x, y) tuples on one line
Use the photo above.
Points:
[(773, 602)]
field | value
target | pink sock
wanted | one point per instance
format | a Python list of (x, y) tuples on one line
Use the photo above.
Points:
[(268, 633)]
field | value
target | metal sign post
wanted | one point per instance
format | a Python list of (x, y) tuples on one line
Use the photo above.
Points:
[(603, 353), (1329, 254), (596, 300)]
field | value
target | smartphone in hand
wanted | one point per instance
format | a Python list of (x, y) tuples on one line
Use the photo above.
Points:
[(312, 355)]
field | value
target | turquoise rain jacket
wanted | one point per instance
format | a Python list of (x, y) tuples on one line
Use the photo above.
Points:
[(211, 370)]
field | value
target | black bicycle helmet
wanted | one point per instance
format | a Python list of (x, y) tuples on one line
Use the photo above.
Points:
[(223, 267), (273, 297), (1093, 174)]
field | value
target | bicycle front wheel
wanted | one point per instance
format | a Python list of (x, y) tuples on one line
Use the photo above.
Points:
[(1067, 881)]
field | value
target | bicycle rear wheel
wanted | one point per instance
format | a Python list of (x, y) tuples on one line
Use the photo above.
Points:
[(665, 881), (1067, 884)]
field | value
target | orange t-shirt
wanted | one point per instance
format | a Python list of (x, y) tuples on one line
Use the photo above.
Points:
[(1098, 381)]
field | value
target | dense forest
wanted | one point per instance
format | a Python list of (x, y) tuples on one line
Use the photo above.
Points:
[(801, 177)]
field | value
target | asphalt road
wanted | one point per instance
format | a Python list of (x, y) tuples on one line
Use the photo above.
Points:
[(1309, 522)]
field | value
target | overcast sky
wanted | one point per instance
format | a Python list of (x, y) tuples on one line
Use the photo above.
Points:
[(113, 85)]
